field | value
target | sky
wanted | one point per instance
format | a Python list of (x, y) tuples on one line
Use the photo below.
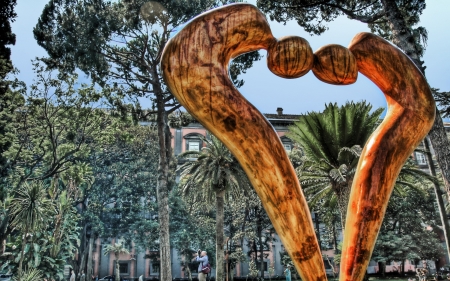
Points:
[(267, 91)]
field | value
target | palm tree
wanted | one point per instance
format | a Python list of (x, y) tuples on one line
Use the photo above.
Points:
[(214, 176), (30, 209), (117, 249), (30, 274), (332, 141)]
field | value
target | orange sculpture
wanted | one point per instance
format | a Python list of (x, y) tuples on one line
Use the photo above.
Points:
[(195, 68)]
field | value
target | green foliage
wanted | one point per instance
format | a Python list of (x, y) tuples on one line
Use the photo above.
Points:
[(313, 15), (30, 207), (248, 222), (186, 235), (443, 101), (56, 239), (215, 169), (213, 175), (122, 199), (332, 141), (409, 230), (118, 248), (7, 16), (31, 274), (131, 25), (394, 20), (56, 128)]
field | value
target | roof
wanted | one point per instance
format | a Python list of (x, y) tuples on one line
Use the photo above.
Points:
[(282, 116)]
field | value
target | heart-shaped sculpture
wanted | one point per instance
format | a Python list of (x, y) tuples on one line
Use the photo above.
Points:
[(195, 68)]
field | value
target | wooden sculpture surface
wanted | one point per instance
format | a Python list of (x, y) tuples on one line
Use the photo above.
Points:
[(195, 68)]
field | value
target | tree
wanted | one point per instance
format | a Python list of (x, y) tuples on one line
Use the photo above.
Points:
[(259, 227), (393, 20), (185, 234), (332, 141), (214, 176), (117, 249), (56, 129), (10, 99), (119, 44), (405, 233), (31, 209), (121, 201)]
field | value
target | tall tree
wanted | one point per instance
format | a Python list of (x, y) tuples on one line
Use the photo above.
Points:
[(395, 20), (214, 176), (332, 141), (119, 44), (10, 99)]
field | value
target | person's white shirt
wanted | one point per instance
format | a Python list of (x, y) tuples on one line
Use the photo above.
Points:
[(141, 278), (72, 277)]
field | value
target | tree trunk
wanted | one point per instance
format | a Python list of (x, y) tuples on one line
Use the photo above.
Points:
[(317, 224), (89, 271), (165, 153), (187, 270), (219, 234), (117, 273), (382, 268), (261, 249), (335, 243), (441, 145), (343, 195), (24, 242), (403, 38), (439, 197), (83, 260)]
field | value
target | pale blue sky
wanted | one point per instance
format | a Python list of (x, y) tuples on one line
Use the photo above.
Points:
[(267, 91)]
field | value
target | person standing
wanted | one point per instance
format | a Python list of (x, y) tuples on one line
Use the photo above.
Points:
[(72, 275), (201, 257), (82, 277), (287, 272), (141, 278)]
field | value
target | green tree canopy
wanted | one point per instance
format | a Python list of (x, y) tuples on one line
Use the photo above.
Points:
[(332, 141), (409, 230)]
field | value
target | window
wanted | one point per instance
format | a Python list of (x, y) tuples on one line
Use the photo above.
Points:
[(193, 145), (287, 143), (258, 265), (193, 142), (154, 268), (420, 158), (123, 266), (287, 146)]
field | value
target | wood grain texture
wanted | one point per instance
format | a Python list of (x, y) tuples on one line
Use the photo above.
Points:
[(335, 64), (195, 67), (290, 57), (411, 111)]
